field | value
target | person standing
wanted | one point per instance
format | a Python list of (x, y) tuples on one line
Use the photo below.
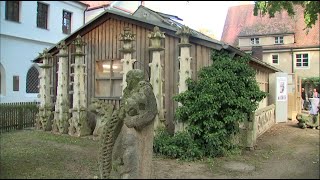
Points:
[(315, 94), (314, 102), (303, 98)]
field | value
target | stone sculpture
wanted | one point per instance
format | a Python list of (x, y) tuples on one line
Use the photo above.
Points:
[(127, 139), (312, 119), (308, 120), (103, 112)]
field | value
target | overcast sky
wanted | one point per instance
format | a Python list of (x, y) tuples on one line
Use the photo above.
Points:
[(198, 14)]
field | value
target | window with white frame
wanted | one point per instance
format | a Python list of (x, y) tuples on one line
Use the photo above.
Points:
[(302, 60), (275, 58), (278, 40), (254, 40)]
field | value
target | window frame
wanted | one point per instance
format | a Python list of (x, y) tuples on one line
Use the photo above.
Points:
[(46, 15), (15, 83), (34, 77), (301, 59), (14, 11), (272, 59), (254, 41), (111, 77), (278, 39), (70, 22)]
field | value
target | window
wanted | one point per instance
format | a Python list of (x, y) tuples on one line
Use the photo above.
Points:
[(278, 40), (15, 83), (1, 83), (275, 58), (2, 80), (108, 78), (66, 22), (32, 80), (302, 60), (42, 15), (12, 10), (254, 40)]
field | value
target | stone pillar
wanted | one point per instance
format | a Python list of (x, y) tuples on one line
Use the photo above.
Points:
[(185, 64), (127, 63), (44, 117), (156, 79), (79, 122), (61, 115)]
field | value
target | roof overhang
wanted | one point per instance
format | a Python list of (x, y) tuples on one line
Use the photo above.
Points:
[(212, 43)]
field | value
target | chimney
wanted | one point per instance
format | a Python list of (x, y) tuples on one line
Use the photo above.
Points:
[(257, 52)]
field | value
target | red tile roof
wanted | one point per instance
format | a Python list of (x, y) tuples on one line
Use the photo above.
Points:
[(240, 21), (96, 4)]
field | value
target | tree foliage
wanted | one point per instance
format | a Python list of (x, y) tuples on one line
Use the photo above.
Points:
[(224, 95), (311, 9), (311, 82)]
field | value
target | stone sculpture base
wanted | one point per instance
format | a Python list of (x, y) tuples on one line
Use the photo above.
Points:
[(78, 124), (136, 155)]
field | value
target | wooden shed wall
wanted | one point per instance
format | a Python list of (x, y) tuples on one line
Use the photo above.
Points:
[(103, 43)]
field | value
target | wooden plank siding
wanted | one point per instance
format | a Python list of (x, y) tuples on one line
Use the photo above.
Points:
[(103, 43)]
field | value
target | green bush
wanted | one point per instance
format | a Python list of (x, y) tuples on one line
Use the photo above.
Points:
[(310, 83), (181, 145), (224, 95)]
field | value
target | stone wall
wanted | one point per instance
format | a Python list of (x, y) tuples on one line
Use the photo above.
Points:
[(260, 121)]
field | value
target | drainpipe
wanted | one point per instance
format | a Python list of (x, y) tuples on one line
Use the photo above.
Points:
[(84, 15)]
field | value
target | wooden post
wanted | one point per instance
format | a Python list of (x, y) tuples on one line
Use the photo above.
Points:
[(20, 117)]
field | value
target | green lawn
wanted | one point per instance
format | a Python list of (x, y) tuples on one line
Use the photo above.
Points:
[(30, 154)]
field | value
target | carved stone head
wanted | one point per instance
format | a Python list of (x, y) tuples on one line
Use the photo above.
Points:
[(133, 77)]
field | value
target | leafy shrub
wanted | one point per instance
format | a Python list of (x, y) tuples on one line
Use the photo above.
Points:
[(224, 95), (181, 145)]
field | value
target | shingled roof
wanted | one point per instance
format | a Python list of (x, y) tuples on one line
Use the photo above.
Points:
[(169, 27), (240, 21)]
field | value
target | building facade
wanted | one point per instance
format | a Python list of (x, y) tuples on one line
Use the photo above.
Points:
[(27, 27), (281, 41), (104, 57)]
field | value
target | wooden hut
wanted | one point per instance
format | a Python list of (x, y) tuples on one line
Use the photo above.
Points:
[(102, 49)]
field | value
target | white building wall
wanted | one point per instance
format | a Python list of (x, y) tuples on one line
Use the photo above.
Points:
[(22, 41), (93, 13), (18, 64)]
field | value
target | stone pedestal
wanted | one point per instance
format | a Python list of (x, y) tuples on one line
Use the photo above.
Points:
[(185, 65), (156, 79), (79, 122), (61, 113), (44, 117)]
